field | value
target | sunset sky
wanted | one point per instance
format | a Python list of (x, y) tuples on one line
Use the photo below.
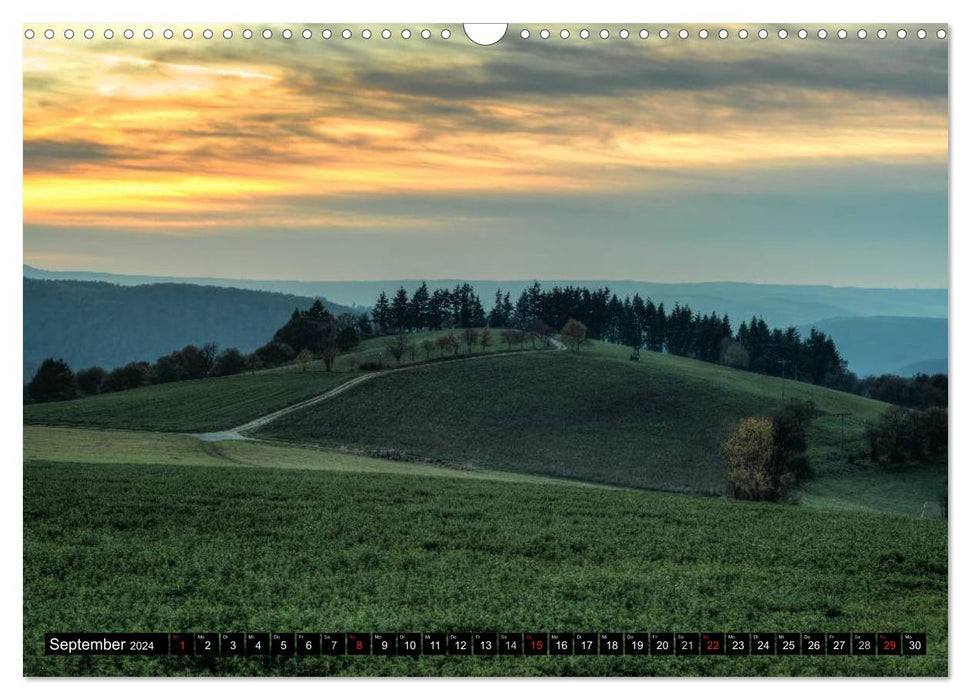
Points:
[(820, 161)]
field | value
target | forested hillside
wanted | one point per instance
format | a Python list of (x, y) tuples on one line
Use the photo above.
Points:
[(96, 323)]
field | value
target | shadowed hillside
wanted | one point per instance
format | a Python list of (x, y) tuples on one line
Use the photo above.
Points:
[(594, 416), (95, 323)]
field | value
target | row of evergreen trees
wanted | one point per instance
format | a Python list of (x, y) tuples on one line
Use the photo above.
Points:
[(443, 308), (636, 322)]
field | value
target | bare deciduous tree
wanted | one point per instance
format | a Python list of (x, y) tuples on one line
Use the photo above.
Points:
[(573, 334), (485, 339), (469, 336)]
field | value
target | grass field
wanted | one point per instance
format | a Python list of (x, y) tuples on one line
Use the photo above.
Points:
[(219, 403), (44, 444), (180, 548), (914, 491), (192, 406), (502, 517), (594, 417)]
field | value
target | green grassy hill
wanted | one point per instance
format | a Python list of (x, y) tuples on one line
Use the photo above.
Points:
[(199, 405), (218, 403), (596, 416)]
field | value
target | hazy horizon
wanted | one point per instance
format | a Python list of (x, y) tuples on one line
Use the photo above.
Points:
[(816, 162), (430, 280)]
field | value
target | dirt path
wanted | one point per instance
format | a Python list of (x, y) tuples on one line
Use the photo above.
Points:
[(239, 433)]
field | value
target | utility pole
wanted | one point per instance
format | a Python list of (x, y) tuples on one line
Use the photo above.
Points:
[(783, 363), (842, 421)]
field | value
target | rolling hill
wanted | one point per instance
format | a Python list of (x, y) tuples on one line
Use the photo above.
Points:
[(97, 323), (594, 417)]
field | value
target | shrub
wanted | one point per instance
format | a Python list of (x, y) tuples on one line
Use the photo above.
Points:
[(733, 354), (765, 457), (304, 358), (131, 376), (749, 455), (789, 434), (230, 361), (932, 424), (902, 434), (347, 339), (89, 380), (274, 353)]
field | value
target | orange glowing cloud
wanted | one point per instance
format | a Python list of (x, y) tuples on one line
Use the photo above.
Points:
[(159, 136)]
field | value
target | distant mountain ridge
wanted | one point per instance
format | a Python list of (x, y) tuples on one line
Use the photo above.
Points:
[(97, 323), (779, 305), (888, 344), (107, 319)]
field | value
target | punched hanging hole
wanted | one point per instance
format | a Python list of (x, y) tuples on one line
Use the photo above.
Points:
[(485, 34)]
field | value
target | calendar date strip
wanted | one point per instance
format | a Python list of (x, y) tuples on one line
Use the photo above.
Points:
[(416, 644)]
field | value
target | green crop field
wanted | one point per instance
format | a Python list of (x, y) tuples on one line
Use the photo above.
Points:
[(500, 510), (189, 548), (595, 417), (191, 406)]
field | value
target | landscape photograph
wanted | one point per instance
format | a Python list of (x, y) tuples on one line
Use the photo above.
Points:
[(601, 350)]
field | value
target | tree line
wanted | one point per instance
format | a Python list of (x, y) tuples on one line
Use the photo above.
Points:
[(308, 334), (644, 325), (576, 312)]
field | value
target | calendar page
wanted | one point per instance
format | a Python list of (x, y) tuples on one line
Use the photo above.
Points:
[(485, 350)]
